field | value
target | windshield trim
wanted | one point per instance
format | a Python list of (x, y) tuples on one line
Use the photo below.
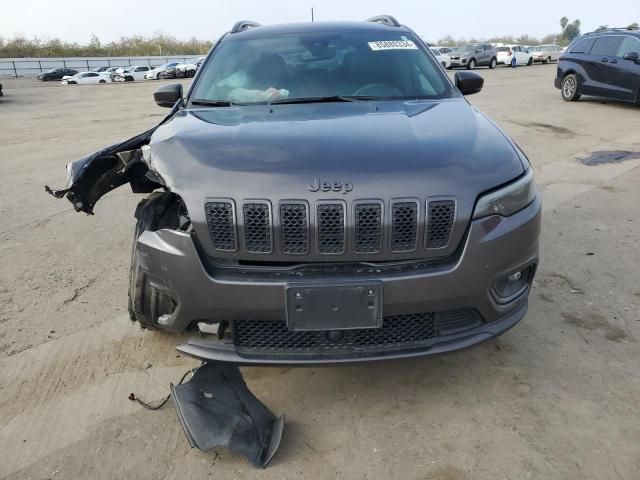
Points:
[(417, 39)]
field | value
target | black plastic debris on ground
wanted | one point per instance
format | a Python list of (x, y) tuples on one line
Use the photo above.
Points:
[(216, 409), (613, 156)]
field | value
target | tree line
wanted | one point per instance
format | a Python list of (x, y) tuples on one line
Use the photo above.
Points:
[(159, 44), (166, 45), (568, 31)]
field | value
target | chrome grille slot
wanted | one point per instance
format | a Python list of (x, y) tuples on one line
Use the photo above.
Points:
[(257, 227), (222, 225), (404, 226), (368, 228), (331, 228), (294, 228), (441, 214)]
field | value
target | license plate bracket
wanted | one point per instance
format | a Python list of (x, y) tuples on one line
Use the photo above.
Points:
[(334, 306)]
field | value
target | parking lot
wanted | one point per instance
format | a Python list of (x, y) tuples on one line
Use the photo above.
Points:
[(554, 398)]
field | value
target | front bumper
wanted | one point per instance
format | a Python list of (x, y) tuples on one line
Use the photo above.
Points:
[(494, 247), (461, 62)]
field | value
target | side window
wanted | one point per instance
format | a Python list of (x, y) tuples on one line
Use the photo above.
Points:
[(582, 46), (606, 46), (487, 47), (629, 44)]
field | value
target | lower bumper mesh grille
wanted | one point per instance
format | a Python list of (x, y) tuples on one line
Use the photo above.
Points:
[(411, 330)]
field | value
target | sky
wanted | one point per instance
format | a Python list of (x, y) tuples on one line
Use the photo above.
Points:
[(76, 20)]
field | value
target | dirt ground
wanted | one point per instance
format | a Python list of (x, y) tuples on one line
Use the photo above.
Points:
[(554, 398)]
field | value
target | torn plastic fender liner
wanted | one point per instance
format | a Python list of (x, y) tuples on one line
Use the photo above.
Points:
[(217, 409), (95, 175)]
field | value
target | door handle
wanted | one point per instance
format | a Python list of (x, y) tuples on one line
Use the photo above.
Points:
[(605, 60)]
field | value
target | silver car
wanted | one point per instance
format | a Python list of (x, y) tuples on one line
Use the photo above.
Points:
[(546, 53), (474, 55)]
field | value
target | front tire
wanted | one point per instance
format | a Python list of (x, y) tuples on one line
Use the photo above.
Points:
[(147, 303), (472, 64), (570, 88), (493, 63)]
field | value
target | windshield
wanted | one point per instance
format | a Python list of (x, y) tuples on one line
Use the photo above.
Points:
[(468, 48), (503, 49), (317, 65)]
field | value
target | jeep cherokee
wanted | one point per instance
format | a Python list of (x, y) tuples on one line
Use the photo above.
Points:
[(322, 194)]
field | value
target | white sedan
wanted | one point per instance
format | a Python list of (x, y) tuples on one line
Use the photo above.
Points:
[(514, 55), (443, 58), (131, 73), (86, 78)]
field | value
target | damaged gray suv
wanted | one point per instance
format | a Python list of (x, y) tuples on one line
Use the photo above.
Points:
[(322, 194)]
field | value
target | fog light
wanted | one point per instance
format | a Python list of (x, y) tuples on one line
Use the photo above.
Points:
[(515, 277), (513, 285)]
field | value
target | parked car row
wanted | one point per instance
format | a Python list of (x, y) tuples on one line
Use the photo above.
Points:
[(475, 55), (126, 73)]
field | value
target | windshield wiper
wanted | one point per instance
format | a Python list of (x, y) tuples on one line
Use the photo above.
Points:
[(211, 103), (328, 99)]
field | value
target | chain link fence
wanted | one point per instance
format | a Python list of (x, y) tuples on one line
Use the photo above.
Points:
[(25, 67)]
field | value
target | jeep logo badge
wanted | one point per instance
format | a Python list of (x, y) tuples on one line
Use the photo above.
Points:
[(321, 186)]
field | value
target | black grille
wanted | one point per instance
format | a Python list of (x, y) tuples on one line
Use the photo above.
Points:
[(222, 225), (294, 228), (456, 321), (331, 228), (440, 222), (257, 228), (368, 231), (404, 226), (412, 330)]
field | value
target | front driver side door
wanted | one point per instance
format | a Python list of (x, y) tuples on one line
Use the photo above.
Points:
[(626, 73), (487, 54)]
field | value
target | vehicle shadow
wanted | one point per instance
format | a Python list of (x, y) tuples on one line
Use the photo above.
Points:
[(609, 101)]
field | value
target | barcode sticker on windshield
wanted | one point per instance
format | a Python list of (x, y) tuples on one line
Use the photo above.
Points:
[(393, 45)]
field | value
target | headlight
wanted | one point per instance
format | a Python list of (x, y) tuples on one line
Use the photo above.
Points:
[(508, 200)]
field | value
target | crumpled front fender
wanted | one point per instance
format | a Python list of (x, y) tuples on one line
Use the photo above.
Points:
[(93, 176)]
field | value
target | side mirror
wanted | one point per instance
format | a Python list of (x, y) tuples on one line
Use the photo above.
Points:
[(168, 95), (633, 56), (469, 82)]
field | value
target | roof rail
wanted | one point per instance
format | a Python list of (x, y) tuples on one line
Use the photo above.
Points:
[(244, 25), (387, 20), (613, 29)]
